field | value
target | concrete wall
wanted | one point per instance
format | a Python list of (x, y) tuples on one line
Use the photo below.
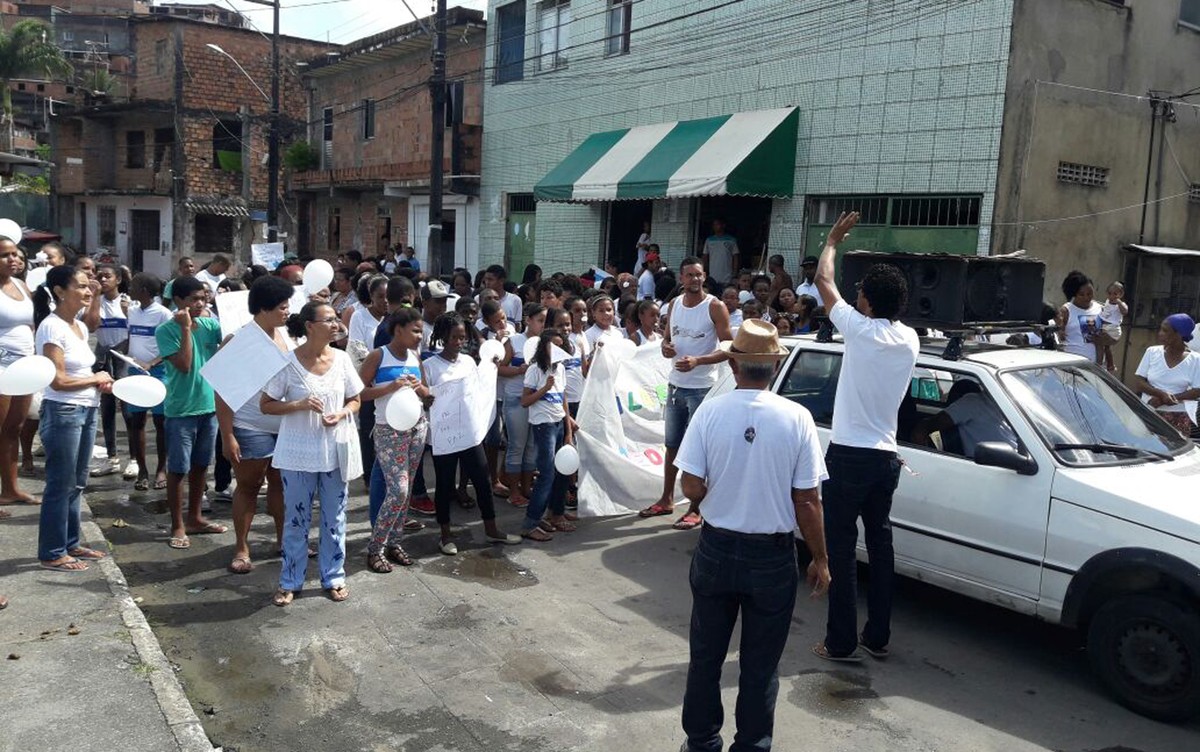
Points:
[(1075, 91), (891, 101)]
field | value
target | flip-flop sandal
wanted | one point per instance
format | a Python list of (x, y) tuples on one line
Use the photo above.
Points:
[(29, 501), (70, 565), (211, 528), (689, 521), (241, 565), (283, 597), (546, 526), (537, 534), (657, 510), (338, 594), (563, 527), (87, 554), (160, 484), (413, 525), (179, 543), (821, 651), (879, 654), (570, 517)]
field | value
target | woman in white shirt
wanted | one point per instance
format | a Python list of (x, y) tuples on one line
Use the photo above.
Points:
[(1079, 317), (520, 461), (16, 341), (317, 395), (365, 320), (1168, 378), (68, 416), (551, 427)]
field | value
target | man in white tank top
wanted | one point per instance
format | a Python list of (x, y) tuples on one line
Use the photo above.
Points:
[(695, 325)]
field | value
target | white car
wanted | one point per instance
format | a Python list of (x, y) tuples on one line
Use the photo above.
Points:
[(1048, 489)]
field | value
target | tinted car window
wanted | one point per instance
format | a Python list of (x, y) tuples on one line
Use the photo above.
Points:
[(812, 381)]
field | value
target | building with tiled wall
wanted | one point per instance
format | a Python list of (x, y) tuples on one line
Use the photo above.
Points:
[(370, 116), (179, 167)]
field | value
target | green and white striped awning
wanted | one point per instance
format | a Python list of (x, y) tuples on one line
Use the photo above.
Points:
[(745, 154)]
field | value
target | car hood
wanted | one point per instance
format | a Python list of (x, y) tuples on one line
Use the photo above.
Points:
[(1164, 496)]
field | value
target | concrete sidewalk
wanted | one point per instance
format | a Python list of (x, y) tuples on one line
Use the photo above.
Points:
[(79, 666)]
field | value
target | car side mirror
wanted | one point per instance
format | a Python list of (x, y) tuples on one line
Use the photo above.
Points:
[(1000, 454)]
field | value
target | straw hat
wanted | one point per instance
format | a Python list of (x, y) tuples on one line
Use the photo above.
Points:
[(756, 342)]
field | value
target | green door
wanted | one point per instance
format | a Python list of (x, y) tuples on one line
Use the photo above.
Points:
[(518, 242)]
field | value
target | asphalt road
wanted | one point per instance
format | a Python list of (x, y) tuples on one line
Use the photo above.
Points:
[(579, 644)]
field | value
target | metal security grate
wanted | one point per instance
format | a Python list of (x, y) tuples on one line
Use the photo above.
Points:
[(521, 202), (1080, 174)]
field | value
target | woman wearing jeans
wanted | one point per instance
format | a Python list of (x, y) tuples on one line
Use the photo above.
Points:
[(550, 424), (315, 392), (519, 459), (449, 334), (68, 416)]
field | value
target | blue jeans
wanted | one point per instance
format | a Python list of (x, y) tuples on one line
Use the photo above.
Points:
[(191, 442), (68, 432), (521, 454), (682, 404), (551, 488), (861, 483), (755, 575), (299, 488)]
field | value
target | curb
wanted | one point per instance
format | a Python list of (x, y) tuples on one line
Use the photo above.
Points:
[(181, 718)]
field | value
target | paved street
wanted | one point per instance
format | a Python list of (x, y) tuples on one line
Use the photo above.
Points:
[(579, 644)]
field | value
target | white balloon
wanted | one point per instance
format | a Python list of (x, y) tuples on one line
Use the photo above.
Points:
[(403, 410), (141, 391), (11, 230), (35, 277), (530, 349), (490, 351), (317, 276), (27, 375), (566, 461)]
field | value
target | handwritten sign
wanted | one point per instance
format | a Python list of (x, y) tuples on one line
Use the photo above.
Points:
[(233, 311), (269, 255), (462, 411), (243, 366)]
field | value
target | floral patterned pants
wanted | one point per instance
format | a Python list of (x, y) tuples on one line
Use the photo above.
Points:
[(399, 454)]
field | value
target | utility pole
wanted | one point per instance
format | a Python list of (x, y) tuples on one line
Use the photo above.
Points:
[(273, 126), (438, 262)]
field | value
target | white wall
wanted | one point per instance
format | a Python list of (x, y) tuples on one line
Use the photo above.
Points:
[(123, 205), (466, 217)]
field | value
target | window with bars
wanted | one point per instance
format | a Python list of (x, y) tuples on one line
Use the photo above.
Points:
[(874, 209), (521, 202), (938, 211), (620, 22), (106, 221), (1081, 174), (554, 34), (368, 119)]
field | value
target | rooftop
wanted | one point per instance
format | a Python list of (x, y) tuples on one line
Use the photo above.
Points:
[(398, 42)]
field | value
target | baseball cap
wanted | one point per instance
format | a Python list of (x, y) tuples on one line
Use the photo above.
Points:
[(435, 289), (809, 261)]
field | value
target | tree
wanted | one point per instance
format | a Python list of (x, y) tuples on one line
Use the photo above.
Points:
[(25, 50)]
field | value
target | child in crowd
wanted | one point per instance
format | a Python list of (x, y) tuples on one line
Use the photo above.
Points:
[(112, 335), (602, 314), (551, 427), (519, 459), (145, 316), (1112, 315)]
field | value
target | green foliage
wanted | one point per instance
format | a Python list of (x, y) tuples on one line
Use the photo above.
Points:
[(35, 184), (301, 156), (26, 50), (43, 152)]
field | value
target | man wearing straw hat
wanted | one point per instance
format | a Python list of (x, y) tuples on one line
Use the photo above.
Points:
[(753, 461)]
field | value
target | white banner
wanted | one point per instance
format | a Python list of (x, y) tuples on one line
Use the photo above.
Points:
[(462, 411), (620, 437), (244, 365)]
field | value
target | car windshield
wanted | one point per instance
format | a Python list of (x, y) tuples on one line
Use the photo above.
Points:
[(1077, 406)]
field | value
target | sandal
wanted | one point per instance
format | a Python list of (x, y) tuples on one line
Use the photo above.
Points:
[(398, 555), (338, 594), (87, 554), (283, 597), (689, 521), (179, 543), (160, 484), (520, 502), (562, 526), (821, 651), (378, 563), (240, 565), (501, 490), (66, 564), (657, 509), (413, 525), (537, 534), (142, 484), (210, 528)]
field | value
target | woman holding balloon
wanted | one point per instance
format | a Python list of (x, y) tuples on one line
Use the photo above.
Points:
[(68, 416), (398, 450), (16, 342)]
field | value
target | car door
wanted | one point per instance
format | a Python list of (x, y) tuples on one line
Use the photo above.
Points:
[(979, 530)]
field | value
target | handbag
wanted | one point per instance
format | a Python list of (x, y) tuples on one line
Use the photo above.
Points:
[(348, 451)]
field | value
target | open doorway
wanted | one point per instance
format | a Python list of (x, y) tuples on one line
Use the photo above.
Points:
[(625, 220), (747, 219)]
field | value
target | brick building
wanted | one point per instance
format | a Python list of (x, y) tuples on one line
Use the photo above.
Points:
[(180, 167), (369, 110)]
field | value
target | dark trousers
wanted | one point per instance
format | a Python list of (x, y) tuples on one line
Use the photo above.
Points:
[(474, 466), (366, 440), (755, 575), (861, 483), (222, 469)]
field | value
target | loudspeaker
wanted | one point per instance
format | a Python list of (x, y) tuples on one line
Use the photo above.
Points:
[(947, 291)]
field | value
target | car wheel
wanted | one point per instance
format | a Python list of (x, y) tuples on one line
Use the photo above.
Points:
[(1146, 649)]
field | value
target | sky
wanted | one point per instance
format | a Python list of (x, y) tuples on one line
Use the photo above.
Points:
[(338, 21)]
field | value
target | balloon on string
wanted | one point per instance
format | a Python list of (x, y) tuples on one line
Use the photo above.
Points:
[(566, 460), (11, 230), (403, 410), (317, 276), (491, 350), (140, 391), (530, 349), (36, 277), (27, 375)]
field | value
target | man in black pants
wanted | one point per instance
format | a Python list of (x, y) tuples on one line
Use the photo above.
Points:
[(864, 469)]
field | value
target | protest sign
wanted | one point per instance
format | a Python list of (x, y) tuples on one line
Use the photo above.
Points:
[(462, 411), (269, 255), (243, 366), (233, 308)]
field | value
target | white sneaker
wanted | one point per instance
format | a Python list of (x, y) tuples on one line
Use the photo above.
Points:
[(107, 467), (131, 470), (205, 504), (38, 449)]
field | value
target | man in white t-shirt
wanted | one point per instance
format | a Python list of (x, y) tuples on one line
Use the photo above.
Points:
[(807, 286), (214, 273), (494, 277), (646, 280), (721, 256), (864, 470), (752, 460)]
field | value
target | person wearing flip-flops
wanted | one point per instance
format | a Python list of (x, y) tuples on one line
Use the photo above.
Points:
[(864, 469), (16, 341), (68, 416), (551, 427), (751, 460), (694, 324)]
